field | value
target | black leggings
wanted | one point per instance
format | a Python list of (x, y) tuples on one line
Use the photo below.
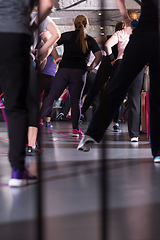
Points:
[(101, 78), (14, 72), (105, 71), (75, 79), (89, 82), (131, 65), (32, 97), (45, 83)]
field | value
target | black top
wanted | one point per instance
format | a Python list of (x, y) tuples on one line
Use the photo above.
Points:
[(148, 22), (73, 56)]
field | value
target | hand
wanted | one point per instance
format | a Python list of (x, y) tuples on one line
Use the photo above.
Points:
[(35, 53), (113, 62), (89, 69), (41, 64), (58, 60), (128, 22)]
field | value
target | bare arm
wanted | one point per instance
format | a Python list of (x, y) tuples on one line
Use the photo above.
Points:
[(54, 54), (96, 61), (45, 7), (55, 35), (122, 8), (110, 43)]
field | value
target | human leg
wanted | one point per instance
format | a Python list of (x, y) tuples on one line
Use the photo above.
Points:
[(134, 100), (76, 85), (14, 72), (116, 127), (33, 110), (101, 78), (117, 88), (60, 82), (155, 101), (89, 82), (48, 80)]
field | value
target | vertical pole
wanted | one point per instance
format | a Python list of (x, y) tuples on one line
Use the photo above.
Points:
[(103, 173), (40, 229)]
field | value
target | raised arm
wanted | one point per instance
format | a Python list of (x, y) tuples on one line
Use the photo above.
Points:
[(123, 10), (55, 35), (45, 7)]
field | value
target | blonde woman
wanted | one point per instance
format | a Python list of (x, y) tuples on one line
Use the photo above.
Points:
[(121, 38), (73, 69)]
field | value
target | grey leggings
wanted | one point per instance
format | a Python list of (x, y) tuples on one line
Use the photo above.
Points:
[(75, 79)]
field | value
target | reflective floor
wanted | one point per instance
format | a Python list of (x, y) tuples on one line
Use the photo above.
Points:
[(73, 189)]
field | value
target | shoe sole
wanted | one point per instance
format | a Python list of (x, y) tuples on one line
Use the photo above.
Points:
[(86, 146), (20, 183), (77, 135), (134, 140), (84, 149), (157, 160)]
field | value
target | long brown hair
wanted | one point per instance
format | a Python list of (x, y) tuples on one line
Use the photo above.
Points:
[(120, 25), (80, 23)]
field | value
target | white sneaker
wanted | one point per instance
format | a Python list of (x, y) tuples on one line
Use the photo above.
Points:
[(21, 178), (84, 143), (157, 159), (134, 139)]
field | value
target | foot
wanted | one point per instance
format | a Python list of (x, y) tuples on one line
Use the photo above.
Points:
[(84, 144), (81, 118), (116, 128), (49, 125), (77, 133), (157, 159), (134, 139), (68, 116), (31, 151), (21, 178), (60, 116), (41, 122)]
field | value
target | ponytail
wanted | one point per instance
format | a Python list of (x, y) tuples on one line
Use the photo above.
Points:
[(80, 23)]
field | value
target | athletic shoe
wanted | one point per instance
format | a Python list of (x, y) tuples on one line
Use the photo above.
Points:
[(81, 118), (60, 116), (116, 128), (41, 122), (21, 178), (134, 139), (31, 151), (49, 125), (58, 103), (84, 144), (77, 133), (157, 159), (68, 116)]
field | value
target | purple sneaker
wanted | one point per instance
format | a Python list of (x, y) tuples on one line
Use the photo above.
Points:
[(21, 178), (49, 125)]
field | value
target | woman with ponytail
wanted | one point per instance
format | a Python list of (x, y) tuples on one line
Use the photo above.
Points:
[(73, 69)]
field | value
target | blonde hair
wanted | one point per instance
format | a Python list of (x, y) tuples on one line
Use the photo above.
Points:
[(80, 23), (133, 14)]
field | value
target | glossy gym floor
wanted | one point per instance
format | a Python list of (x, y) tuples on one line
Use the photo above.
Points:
[(73, 192)]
